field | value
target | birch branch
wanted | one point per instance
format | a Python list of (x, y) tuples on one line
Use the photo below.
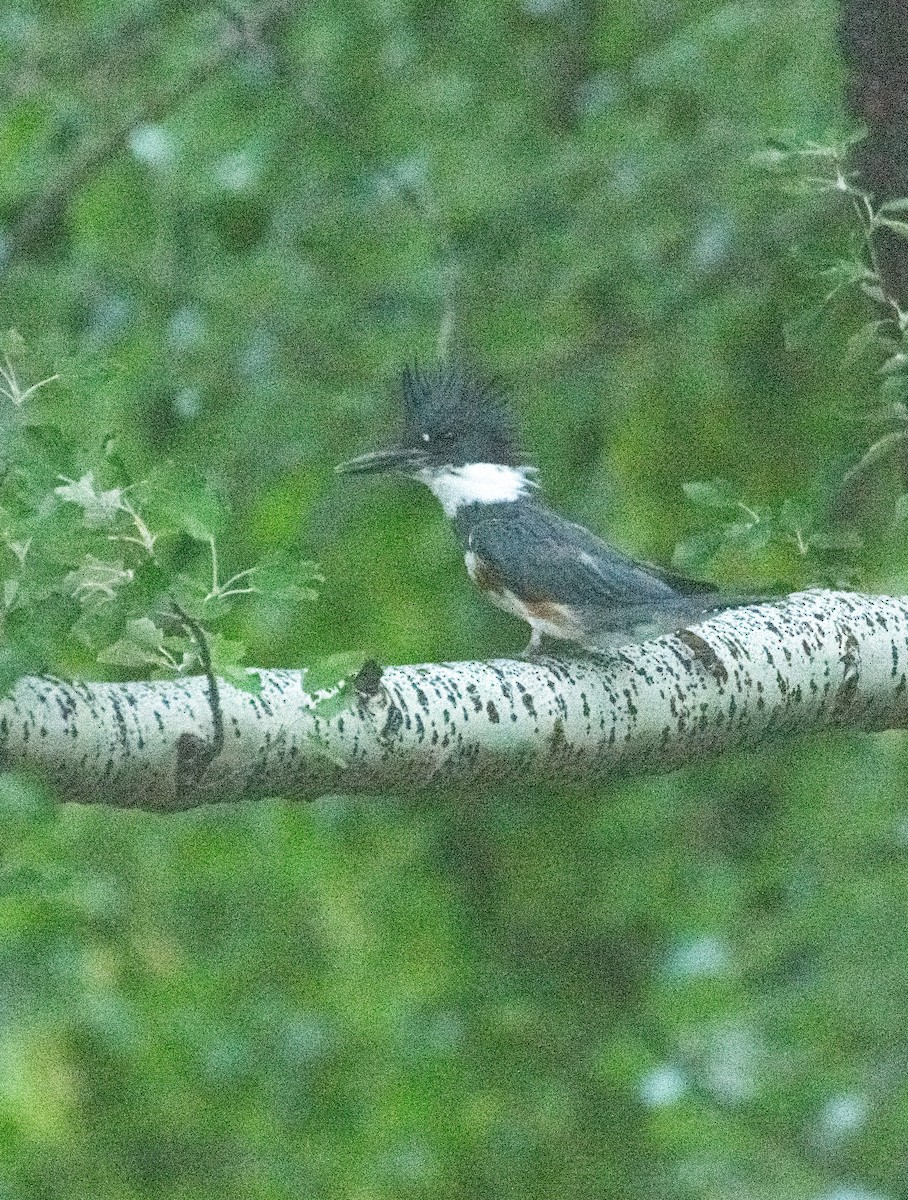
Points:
[(815, 661)]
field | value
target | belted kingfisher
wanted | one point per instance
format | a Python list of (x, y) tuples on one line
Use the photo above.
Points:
[(459, 439)]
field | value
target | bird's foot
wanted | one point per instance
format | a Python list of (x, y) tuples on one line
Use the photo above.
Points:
[(533, 647)]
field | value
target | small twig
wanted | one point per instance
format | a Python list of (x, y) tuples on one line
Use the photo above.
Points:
[(194, 754), (880, 448), (849, 488), (11, 388), (144, 537), (874, 40), (214, 570)]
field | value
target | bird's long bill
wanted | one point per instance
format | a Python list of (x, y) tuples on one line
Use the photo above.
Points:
[(382, 460)]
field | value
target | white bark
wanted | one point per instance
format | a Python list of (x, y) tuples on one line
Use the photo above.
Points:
[(815, 661)]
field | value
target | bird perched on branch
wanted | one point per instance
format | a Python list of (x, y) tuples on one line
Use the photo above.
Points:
[(459, 439)]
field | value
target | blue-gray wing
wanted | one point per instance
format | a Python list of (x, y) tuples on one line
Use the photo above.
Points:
[(539, 555)]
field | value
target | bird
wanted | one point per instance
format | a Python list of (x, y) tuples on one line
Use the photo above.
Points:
[(459, 439)]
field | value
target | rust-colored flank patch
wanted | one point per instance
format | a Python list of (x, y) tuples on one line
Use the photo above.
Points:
[(546, 610), (486, 577)]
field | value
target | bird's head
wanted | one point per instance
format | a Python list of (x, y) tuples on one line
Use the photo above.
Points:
[(453, 417), (458, 438)]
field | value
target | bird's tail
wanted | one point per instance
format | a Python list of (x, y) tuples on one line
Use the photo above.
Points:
[(622, 625)]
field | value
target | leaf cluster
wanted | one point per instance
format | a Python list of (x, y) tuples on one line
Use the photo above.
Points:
[(756, 534), (92, 559)]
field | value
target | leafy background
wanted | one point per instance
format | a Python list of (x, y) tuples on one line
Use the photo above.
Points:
[(225, 230)]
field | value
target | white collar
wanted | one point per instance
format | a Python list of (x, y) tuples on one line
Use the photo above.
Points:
[(476, 483)]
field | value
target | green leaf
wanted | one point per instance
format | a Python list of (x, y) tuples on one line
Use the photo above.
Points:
[(752, 535), (894, 387), (96, 580), (179, 499), (899, 227), (895, 362), (12, 344), (869, 336), (16, 661), (100, 508), (144, 634), (227, 654), (794, 518), (282, 576), (48, 447), (245, 679), (715, 493), (334, 670), (141, 645), (697, 551), (190, 593), (340, 701)]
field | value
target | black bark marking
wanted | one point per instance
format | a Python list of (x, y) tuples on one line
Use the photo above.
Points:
[(557, 740), (848, 687), (192, 762), (393, 723), (704, 654)]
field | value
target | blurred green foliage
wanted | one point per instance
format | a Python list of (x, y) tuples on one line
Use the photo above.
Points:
[(225, 235)]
